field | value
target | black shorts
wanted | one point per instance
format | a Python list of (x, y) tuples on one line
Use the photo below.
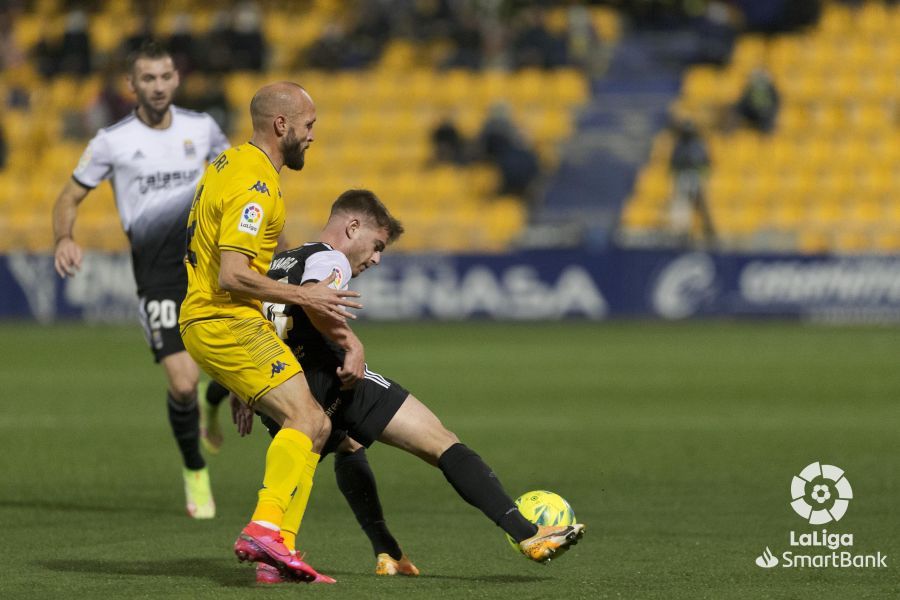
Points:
[(158, 311), (363, 412)]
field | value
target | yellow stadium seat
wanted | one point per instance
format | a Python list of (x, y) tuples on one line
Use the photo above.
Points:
[(550, 126), (787, 216), (861, 212), (887, 241), (568, 86), (454, 87), (493, 86), (873, 18), (836, 20), (852, 240), (528, 86), (749, 52), (785, 51), (482, 180), (607, 23), (813, 240), (825, 213)]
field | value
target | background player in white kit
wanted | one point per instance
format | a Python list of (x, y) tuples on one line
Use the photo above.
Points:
[(154, 159)]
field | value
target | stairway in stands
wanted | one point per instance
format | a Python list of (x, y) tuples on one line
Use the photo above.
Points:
[(614, 134)]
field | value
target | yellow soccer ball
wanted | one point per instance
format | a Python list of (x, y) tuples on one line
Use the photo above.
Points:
[(543, 508)]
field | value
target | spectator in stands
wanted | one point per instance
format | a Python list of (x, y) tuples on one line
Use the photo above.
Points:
[(142, 35), (4, 148), (247, 43), (583, 46), (448, 144), (468, 43), (689, 164), (217, 44), (206, 93), (71, 54), (45, 54), (717, 30), (371, 31), (426, 21), (534, 45), (759, 103), (183, 46), (75, 49), (328, 50), (501, 143), (109, 106), (11, 55), (354, 44)]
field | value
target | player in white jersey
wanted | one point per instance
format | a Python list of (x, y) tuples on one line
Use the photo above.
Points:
[(153, 159)]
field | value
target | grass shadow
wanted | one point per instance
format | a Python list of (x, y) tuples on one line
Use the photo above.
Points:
[(505, 578), (92, 508), (222, 571), (217, 570)]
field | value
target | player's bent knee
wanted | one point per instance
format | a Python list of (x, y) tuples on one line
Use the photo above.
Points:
[(447, 439), (324, 433), (440, 443), (183, 392), (348, 446)]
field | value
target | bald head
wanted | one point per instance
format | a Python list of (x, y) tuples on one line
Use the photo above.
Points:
[(278, 99), (283, 116)]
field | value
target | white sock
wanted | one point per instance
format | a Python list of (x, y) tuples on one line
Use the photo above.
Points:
[(268, 525)]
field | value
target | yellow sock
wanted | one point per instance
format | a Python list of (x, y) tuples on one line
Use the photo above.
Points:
[(293, 516), (286, 462)]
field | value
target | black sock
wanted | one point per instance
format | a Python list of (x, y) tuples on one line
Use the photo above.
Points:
[(357, 482), (478, 485), (185, 421), (215, 393), (270, 424)]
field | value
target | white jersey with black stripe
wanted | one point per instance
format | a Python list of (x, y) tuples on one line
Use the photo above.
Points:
[(309, 263), (154, 173)]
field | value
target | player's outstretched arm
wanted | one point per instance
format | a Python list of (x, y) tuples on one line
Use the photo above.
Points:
[(235, 275), (67, 253), (354, 367)]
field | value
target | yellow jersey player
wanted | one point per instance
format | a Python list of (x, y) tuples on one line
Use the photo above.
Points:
[(234, 224)]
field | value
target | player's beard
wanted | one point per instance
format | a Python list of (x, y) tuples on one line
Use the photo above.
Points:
[(155, 115), (294, 156)]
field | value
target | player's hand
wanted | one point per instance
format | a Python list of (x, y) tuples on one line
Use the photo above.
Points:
[(241, 415), (328, 301), (67, 257), (353, 369)]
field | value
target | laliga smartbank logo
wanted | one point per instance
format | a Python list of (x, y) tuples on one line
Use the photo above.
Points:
[(820, 494)]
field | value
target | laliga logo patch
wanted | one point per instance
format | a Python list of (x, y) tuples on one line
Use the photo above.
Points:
[(85, 160), (251, 217), (338, 278)]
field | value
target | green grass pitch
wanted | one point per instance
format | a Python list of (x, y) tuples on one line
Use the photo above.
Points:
[(674, 443)]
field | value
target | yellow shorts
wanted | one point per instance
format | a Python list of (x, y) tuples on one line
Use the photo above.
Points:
[(244, 355)]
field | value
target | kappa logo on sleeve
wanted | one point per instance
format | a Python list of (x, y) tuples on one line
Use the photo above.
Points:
[(251, 217), (260, 187)]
